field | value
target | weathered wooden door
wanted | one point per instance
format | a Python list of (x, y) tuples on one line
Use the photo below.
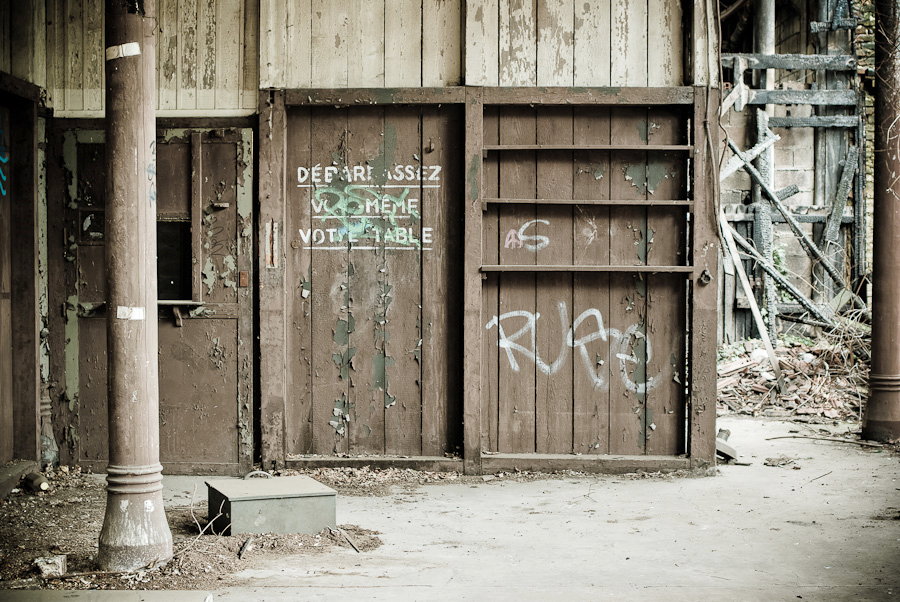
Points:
[(204, 225), (585, 247), (6, 347), (372, 265)]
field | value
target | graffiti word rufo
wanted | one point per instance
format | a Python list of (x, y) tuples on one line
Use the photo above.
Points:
[(367, 213), (630, 348)]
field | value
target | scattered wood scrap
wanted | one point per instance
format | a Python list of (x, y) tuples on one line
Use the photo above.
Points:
[(825, 381)]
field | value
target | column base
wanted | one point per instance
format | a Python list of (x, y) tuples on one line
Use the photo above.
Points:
[(882, 421), (135, 532)]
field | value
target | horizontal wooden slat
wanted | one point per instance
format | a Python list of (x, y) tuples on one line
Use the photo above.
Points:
[(802, 97), (603, 202), (374, 96), (639, 96), (652, 269), (599, 147), (794, 61), (816, 121), (427, 463), (610, 464)]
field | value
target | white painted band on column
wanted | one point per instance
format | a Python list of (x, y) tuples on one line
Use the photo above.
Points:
[(129, 313), (123, 50)]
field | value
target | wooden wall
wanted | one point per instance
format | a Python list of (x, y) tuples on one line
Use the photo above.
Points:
[(387, 43), (23, 40), (574, 43), (360, 43), (206, 57), (214, 54)]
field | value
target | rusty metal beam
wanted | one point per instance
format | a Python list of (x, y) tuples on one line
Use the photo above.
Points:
[(882, 419), (135, 532)]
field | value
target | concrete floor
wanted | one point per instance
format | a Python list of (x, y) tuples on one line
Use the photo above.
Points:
[(828, 531)]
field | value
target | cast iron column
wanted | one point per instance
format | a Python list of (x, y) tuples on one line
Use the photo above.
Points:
[(135, 532), (883, 411)]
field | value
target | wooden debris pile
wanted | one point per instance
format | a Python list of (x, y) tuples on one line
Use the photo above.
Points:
[(823, 381)]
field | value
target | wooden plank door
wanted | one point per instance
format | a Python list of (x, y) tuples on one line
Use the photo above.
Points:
[(584, 305), (204, 249), (372, 253)]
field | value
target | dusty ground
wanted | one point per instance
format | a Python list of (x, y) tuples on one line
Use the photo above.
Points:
[(67, 518), (810, 518)]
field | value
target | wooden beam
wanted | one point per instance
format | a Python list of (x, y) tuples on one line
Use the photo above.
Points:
[(374, 96), (627, 269), (604, 464), (26, 320), (472, 252), (792, 61), (598, 147), (809, 246), (816, 121), (270, 274), (588, 96), (703, 304), (607, 202), (803, 97), (778, 277), (15, 86)]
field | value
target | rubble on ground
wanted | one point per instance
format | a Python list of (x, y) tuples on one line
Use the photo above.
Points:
[(825, 380)]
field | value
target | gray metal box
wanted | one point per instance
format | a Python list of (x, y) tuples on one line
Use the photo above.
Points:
[(276, 505)]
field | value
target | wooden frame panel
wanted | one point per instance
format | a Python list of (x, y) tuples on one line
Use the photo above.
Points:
[(477, 203)]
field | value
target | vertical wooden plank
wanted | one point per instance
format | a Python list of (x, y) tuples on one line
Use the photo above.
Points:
[(482, 52), (298, 414), (591, 296), (167, 55), (442, 258), (441, 42), (93, 55), (553, 376), (629, 45), (518, 42), (368, 147), (517, 290), (665, 65), (592, 43), (272, 130), (403, 285), (21, 187), (39, 27), (56, 53), (367, 43), (666, 329), (330, 44), (627, 312), (6, 43), (490, 363), (403, 43), (228, 64), (555, 43), (7, 430), (705, 256), (17, 38), (297, 20), (331, 352), (278, 24), (74, 74), (472, 298), (250, 55), (187, 54), (207, 17)]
